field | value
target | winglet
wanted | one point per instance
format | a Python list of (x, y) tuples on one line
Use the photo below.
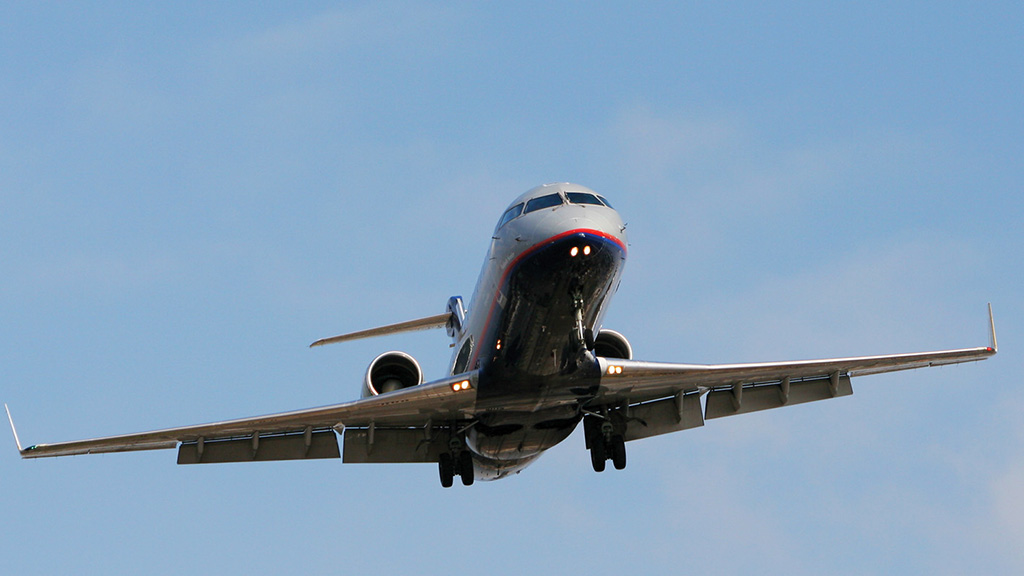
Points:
[(992, 327), (11, 420)]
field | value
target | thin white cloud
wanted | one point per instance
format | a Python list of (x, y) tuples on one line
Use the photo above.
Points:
[(660, 146), (875, 297), (718, 164), (375, 24), (114, 97), (1006, 487)]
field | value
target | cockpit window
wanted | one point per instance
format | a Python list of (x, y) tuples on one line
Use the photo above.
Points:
[(511, 214), (542, 202), (606, 202), (583, 198)]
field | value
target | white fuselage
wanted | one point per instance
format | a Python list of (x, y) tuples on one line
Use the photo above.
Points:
[(543, 290)]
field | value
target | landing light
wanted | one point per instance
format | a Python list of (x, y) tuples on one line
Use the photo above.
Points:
[(613, 370), (460, 386), (574, 251), (586, 250)]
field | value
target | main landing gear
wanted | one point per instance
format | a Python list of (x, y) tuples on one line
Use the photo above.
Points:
[(456, 462), (605, 443)]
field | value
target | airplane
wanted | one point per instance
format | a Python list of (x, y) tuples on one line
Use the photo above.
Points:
[(531, 361)]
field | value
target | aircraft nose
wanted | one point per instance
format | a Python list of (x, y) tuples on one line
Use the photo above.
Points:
[(605, 222)]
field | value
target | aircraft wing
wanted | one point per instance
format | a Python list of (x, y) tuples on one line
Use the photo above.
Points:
[(665, 397), (643, 381), (308, 433)]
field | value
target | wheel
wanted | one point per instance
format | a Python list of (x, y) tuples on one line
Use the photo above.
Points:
[(618, 449), (446, 468), (597, 455), (466, 468)]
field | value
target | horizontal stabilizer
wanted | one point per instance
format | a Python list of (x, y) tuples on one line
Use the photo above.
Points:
[(428, 323)]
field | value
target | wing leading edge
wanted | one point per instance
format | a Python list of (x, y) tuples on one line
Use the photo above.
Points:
[(442, 400)]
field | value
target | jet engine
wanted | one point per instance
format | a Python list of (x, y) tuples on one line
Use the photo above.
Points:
[(611, 344), (391, 371)]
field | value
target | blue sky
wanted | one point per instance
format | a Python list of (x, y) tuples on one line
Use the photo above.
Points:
[(190, 194)]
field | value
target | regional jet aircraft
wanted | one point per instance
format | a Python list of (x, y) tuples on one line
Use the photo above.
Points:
[(531, 361)]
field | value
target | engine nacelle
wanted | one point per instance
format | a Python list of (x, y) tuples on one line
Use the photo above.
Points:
[(391, 371), (611, 344)]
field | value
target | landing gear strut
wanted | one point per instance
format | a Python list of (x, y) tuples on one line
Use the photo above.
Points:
[(456, 462), (584, 336)]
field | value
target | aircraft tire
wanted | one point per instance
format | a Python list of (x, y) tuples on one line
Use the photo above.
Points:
[(446, 468), (597, 456), (618, 450), (466, 468)]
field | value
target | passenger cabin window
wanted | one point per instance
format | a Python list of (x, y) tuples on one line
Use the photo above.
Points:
[(511, 214), (542, 202), (583, 198)]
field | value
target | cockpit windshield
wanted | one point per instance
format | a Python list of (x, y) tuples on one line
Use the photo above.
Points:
[(541, 202), (583, 198), (511, 214), (551, 201)]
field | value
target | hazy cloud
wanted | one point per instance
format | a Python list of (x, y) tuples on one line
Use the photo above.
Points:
[(374, 25)]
